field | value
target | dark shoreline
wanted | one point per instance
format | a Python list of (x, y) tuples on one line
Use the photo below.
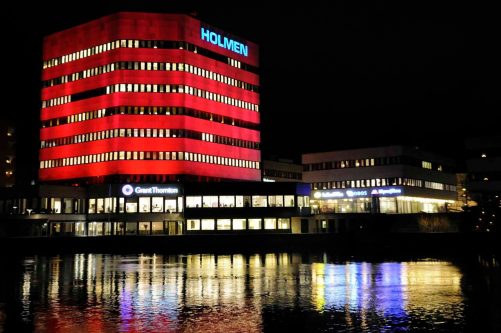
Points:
[(346, 243)]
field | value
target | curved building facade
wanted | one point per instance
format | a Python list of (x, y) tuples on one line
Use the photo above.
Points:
[(141, 97)]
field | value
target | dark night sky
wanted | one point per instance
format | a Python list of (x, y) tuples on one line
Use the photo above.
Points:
[(338, 74)]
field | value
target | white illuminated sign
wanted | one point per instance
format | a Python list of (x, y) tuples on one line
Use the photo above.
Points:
[(129, 189), (356, 193), (386, 191), (268, 180)]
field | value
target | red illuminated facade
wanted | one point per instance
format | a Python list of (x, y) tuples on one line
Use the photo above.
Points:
[(141, 97)]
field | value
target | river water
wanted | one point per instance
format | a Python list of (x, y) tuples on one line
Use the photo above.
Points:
[(269, 292)]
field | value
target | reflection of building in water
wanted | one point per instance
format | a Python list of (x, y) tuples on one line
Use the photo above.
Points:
[(388, 289), (226, 293)]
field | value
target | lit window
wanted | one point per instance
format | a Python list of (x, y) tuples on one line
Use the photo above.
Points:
[(284, 223), (223, 224), (254, 224), (193, 224), (208, 224), (426, 165), (270, 223), (238, 224)]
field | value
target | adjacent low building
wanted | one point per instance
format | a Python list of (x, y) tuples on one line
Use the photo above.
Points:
[(156, 209), (391, 179)]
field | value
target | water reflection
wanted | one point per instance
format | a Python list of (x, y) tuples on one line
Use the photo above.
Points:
[(236, 293)]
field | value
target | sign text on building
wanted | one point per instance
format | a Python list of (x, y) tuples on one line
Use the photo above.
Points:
[(358, 193), (129, 190), (224, 42)]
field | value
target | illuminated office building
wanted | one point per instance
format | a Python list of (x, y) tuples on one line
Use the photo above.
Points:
[(143, 97), (392, 179)]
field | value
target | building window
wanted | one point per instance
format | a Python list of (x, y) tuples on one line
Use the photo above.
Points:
[(210, 202), (242, 201), (157, 228), (131, 205), (193, 224), (259, 201), (426, 165), (254, 224), (284, 223), (144, 228), (226, 201), (157, 204), (238, 224), (276, 201), (223, 224), (145, 205), (289, 200), (92, 206), (193, 202), (170, 206), (270, 223), (208, 224)]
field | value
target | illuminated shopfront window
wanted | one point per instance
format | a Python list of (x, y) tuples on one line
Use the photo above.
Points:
[(144, 228), (208, 224), (284, 223), (193, 224), (80, 229), (270, 223), (254, 224), (157, 228), (223, 224), (131, 228), (238, 224), (95, 228)]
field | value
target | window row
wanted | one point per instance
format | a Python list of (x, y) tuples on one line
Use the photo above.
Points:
[(155, 44), (370, 162), (214, 201), (155, 88), (393, 181), (148, 155), (148, 133), (439, 186), (149, 66), (148, 110), (135, 205), (282, 174), (238, 224)]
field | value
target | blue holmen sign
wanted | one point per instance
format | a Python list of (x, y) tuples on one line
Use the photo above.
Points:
[(224, 42)]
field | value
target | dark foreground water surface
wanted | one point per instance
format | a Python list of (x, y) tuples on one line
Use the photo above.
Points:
[(273, 292)]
